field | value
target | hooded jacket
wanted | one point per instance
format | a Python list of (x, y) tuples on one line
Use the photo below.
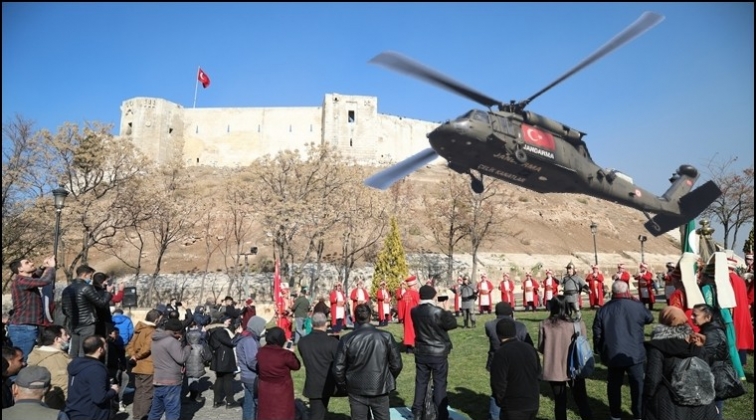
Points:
[(89, 392), (168, 358), (200, 353), (247, 347), (125, 327)]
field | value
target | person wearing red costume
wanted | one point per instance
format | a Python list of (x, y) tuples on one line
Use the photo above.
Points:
[(485, 287), (621, 274), (507, 290), (338, 313), (383, 297), (411, 299), (457, 296), (669, 284), (401, 291), (646, 288), (595, 282), (550, 288), (359, 295), (741, 318), (529, 292), (677, 297)]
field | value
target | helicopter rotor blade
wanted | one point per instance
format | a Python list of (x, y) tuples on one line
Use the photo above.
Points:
[(400, 63), (390, 175), (645, 22)]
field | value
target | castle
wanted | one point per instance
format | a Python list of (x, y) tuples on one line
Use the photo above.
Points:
[(228, 137)]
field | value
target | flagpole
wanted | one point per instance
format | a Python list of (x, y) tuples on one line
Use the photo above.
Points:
[(196, 85)]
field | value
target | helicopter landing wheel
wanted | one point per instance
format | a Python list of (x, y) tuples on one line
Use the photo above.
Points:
[(477, 185), (520, 156)]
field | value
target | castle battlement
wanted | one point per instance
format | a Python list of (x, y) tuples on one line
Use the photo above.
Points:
[(228, 137)]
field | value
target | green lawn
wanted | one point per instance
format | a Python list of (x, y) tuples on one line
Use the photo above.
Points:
[(468, 382)]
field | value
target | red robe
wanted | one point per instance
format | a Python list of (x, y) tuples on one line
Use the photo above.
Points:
[(507, 295), (554, 289), (484, 294), (677, 298), (596, 289), (284, 323), (400, 302), (334, 304), (741, 316), (646, 282), (383, 298), (356, 299), (624, 276), (457, 297), (534, 287), (411, 299)]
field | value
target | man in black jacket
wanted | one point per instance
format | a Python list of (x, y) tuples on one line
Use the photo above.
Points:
[(432, 347), (318, 349), (514, 374), (503, 310), (366, 365), (80, 301)]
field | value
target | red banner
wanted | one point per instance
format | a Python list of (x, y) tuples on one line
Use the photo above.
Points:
[(277, 287), (203, 78)]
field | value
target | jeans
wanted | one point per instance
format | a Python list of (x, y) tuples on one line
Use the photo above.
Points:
[(299, 331), (78, 335), (24, 337), (249, 405), (361, 406), (720, 407), (494, 411), (614, 389), (166, 399), (424, 366)]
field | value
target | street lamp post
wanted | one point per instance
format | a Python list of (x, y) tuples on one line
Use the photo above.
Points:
[(642, 239), (594, 229), (59, 194)]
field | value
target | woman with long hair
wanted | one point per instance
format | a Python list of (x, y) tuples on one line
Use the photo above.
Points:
[(554, 338)]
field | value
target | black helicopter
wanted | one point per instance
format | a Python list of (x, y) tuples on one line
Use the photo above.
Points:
[(540, 154)]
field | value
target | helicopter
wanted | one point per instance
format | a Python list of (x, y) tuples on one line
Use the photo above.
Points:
[(540, 154)]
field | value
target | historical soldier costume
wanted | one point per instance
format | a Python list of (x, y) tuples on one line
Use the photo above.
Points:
[(507, 290), (595, 282), (529, 292), (484, 294), (338, 302), (646, 289), (550, 288), (383, 298)]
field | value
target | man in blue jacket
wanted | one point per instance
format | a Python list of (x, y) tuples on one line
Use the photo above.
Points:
[(618, 338), (89, 390)]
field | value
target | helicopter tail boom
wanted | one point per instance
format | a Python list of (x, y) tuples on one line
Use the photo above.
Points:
[(692, 205)]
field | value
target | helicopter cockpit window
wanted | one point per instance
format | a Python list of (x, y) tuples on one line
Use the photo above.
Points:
[(479, 116)]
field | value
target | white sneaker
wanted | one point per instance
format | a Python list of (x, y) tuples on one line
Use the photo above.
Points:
[(121, 407)]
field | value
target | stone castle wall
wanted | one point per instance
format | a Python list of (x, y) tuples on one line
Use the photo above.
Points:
[(228, 137)]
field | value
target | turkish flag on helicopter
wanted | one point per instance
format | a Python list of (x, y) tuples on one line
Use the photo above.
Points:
[(538, 138), (203, 78)]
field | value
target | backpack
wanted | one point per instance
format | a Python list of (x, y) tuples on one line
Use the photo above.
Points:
[(691, 382), (580, 361)]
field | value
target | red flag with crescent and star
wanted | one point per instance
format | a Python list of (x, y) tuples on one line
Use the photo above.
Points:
[(203, 78), (538, 138)]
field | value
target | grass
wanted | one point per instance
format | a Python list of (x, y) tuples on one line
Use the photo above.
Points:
[(468, 382)]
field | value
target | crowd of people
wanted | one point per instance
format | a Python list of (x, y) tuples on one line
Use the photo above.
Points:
[(77, 363)]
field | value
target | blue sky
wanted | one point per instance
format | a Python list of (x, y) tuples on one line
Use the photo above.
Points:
[(680, 93)]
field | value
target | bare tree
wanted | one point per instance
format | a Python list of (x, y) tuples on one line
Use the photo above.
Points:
[(175, 214), (212, 241), (95, 168), (486, 219), (448, 212), (238, 214), (25, 209), (734, 208)]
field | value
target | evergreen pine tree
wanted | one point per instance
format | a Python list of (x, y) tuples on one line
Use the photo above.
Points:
[(391, 263), (748, 246)]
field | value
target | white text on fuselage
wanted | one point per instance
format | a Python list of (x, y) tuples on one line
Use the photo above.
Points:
[(538, 151), (499, 173), (525, 165)]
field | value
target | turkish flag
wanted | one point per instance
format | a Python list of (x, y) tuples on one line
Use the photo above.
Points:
[(203, 78), (538, 138)]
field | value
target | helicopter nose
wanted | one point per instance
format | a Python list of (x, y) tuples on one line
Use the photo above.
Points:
[(449, 132)]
